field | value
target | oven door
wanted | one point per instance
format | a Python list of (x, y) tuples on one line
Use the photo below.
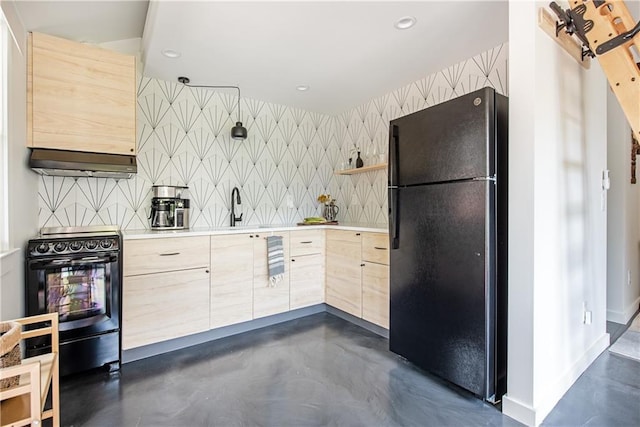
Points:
[(82, 289)]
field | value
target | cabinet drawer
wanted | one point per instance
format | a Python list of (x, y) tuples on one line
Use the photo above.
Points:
[(375, 247), (307, 242), (147, 256), (342, 236)]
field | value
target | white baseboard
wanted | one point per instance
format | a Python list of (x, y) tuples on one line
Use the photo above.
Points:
[(533, 416), (623, 317)]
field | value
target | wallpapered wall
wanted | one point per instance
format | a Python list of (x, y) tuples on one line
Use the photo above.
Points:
[(288, 159)]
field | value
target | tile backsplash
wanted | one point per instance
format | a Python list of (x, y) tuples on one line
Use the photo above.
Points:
[(288, 159)]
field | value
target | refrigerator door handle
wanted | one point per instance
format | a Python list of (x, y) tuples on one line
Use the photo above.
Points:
[(394, 205), (394, 133)]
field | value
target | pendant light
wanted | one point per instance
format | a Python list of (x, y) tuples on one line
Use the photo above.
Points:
[(238, 131)]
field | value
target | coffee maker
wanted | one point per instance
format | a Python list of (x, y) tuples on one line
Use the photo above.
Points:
[(169, 207)]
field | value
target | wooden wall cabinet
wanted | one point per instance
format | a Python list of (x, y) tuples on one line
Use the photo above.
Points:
[(307, 268), (80, 97), (165, 289), (344, 285)]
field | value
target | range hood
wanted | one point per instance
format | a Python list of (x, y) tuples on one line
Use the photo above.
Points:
[(81, 164)]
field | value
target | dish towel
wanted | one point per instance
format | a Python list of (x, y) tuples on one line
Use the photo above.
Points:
[(275, 259)]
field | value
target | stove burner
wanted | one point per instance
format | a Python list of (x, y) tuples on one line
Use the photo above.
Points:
[(91, 244), (59, 247)]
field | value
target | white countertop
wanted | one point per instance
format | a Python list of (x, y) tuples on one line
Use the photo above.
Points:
[(152, 234)]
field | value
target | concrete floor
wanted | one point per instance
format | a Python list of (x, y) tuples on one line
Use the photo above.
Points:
[(318, 370)]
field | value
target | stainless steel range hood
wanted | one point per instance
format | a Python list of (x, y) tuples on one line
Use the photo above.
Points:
[(82, 164)]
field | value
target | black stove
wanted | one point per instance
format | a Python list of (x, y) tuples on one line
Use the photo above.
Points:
[(77, 272)]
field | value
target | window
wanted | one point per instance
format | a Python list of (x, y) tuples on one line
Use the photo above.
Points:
[(4, 144)]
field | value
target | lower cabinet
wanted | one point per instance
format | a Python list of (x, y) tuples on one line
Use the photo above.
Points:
[(375, 278), (161, 301), (162, 306), (231, 279), (375, 293), (269, 298), (307, 280), (240, 287), (358, 274), (343, 287)]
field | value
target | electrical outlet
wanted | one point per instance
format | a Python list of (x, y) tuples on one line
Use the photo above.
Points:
[(290, 201), (586, 314)]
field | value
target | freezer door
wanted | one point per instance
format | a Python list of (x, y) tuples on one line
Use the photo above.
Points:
[(442, 282), (449, 141)]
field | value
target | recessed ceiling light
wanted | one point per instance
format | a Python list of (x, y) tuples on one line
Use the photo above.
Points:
[(302, 88), (405, 23), (170, 53)]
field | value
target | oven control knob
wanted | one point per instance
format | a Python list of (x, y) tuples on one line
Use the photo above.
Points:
[(75, 246), (59, 246), (42, 248), (106, 244), (91, 244)]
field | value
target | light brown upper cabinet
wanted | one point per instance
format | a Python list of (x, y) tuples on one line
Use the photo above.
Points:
[(80, 97)]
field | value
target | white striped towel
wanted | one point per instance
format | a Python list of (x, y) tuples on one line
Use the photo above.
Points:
[(275, 259)]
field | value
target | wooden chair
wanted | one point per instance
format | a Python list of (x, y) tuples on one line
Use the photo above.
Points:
[(24, 404)]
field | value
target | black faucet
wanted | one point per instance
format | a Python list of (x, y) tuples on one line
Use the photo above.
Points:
[(237, 200)]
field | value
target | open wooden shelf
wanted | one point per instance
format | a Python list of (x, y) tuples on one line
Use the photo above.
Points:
[(362, 169)]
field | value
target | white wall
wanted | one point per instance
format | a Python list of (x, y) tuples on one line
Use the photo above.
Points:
[(623, 231), (557, 242), (623, 221), (23, 184)]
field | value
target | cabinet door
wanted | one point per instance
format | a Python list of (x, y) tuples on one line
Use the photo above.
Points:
[(307, 280), (343, 286), (80, 97), (269, 299), (231, 279), (375, 294), (162, 306)]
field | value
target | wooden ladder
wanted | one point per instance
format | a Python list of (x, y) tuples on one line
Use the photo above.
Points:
[(607, 27)]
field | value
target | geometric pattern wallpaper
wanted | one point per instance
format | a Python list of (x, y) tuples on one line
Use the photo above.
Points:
[(288, 159)]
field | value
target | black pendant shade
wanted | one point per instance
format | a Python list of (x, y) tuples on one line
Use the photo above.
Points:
[(238, 131)]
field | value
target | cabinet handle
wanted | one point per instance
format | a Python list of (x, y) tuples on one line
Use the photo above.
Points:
[(170, 254), (357, 234), (257, 235), (308, 241), (206, 271), (379, 248), (293, 260), (251, 236), (362, 265)]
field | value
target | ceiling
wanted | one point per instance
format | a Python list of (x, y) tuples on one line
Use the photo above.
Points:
[(346, 52)]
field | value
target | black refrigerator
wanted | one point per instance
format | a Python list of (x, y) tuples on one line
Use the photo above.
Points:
[(448, 238)]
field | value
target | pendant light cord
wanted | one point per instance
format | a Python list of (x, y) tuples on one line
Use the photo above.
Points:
[(185, 81)]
